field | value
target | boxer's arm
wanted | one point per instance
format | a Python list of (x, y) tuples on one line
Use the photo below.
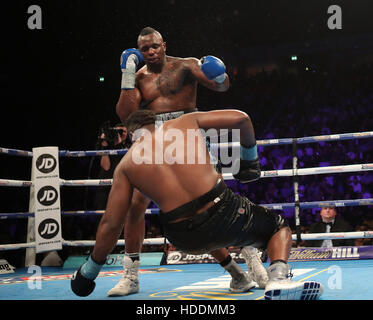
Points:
[(109, 230), (129, 101), (246, 168), (130, 96), (227, 119), (112, 222), (194, 66)]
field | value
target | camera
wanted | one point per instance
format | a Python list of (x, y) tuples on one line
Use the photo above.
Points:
[(110, 134)]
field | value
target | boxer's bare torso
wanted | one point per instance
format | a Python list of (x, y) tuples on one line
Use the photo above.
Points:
[(164, 83)]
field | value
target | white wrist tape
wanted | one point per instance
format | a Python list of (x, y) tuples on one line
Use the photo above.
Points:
[(128, 79), (128, 74)]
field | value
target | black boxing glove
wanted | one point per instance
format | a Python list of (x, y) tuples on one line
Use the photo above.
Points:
[(82, 281), (249, 169)]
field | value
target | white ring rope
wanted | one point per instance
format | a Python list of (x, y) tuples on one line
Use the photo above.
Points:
[(14, 183), (162, 241), (226, 176), (268, 142), (276, 206)]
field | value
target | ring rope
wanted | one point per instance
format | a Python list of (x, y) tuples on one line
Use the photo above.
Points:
[(161, 241), (15, 152), (276, 206), (15, 183), (304, 140), (226, 176), (268, 142)]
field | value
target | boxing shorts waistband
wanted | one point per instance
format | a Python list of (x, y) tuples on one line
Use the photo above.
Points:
[(165, 116), (189, 209)]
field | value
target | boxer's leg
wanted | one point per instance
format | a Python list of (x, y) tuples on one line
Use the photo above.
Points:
[(240, 282), (280, 286), (134, 233), (134, 228), (255, 266)]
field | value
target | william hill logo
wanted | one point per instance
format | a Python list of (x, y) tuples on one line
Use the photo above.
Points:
[(324, 254), (310, 254)]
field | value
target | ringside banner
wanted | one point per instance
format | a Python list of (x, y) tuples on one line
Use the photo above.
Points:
[(45, 165), (296, 254), (179, 257), (335, 253), (5, 267)]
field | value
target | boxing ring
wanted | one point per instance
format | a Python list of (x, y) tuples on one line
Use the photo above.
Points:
[(343, 279)]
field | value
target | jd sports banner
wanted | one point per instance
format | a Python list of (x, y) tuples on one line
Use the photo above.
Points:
[(45, 166)]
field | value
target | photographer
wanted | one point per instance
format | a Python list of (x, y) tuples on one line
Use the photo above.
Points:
[(113, 138), (109, 138)]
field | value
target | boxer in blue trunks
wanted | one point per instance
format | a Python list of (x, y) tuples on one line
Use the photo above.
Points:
[(198, 212)]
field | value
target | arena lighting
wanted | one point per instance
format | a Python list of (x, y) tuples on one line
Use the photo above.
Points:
[(101, 79), (294, 58)]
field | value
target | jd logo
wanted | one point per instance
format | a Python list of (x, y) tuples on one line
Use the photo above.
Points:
[(46, 163), (48, 228), (174, 256), (47, 196)]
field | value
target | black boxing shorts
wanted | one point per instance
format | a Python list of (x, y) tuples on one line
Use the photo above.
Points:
[(232, 221)]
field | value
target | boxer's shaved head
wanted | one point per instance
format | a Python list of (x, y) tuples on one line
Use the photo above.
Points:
[(149, 30)]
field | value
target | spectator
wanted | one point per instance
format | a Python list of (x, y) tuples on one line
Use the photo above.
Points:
[(330, 223)]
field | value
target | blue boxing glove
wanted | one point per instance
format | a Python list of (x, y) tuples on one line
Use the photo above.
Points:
[(82, 281), (249, 169), (213, 68), (129, 61)]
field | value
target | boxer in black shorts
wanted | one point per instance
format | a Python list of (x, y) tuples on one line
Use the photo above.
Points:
[(232, 220), (199, 213)]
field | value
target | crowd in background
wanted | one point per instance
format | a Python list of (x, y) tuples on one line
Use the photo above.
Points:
[(340, 102), (308, 104), (281, 105)]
